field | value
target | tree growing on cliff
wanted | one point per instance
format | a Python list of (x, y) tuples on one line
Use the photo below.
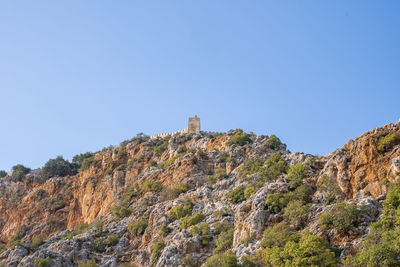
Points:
[(58, 167), (19, 171)]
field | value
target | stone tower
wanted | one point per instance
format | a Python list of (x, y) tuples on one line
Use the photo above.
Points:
[(194, 124)]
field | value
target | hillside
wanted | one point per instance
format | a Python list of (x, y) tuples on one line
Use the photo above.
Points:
[(227, 199)]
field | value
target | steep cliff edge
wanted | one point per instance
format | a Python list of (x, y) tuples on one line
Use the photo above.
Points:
[(175, 200)]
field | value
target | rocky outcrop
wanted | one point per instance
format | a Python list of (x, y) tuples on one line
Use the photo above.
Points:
[(210, 168)]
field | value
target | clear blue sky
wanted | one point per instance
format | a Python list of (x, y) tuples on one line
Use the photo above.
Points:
[(77, 76)]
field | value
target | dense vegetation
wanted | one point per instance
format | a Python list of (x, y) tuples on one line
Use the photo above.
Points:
[(382, 245)]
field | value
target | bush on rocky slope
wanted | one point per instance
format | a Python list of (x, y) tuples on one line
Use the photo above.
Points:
[(121, 211), (227, 259), (296, 213), (203, 230), (46, 262), (296, 174), (19, 171), (156, 249), (138, 227), (239, 138), (191, 220), (273, 142), (268, 170), (58, 167), (309, 250), (3, 173), (84, 160), (237, 194), (181, 211), (382, 245), (388, 141), (342, 217)]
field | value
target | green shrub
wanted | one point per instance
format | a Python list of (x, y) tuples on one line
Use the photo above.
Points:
[(296, 213), (236, 195), (54, 204), (111, 240), (58, 167), (342, 217), (121, 211), (171, 160), (36, 242), (188, 261), (84, 161), (248, 191), (302, 193), (325, 220), (240, 138), (223, 213), (19, 171), (88, 263), (296, 174), (203, 230), (156, 250), (273, 142), (330, 198), (192, 220), (178, 189), (274, 166), (278, 235), (69, 235), (99, 245), (138, 227), (387, 142), (46, 262), (3, 173), (129, 195), (277, 201), (224, 241), (152, 186), (310, 250), (379, 248), (220, 227), (219, 174), (16, 239), (181, 211), (165, 230), (392, 201), (251, 166), (227, 259), (81, 228)]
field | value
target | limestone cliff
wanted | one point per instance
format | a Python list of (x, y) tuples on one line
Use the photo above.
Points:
[(144, 180)]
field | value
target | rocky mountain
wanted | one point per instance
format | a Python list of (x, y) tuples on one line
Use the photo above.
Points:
[(227, 199)]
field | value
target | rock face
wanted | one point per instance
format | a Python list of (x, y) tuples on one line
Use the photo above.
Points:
[(360, 167), (78, 216)]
